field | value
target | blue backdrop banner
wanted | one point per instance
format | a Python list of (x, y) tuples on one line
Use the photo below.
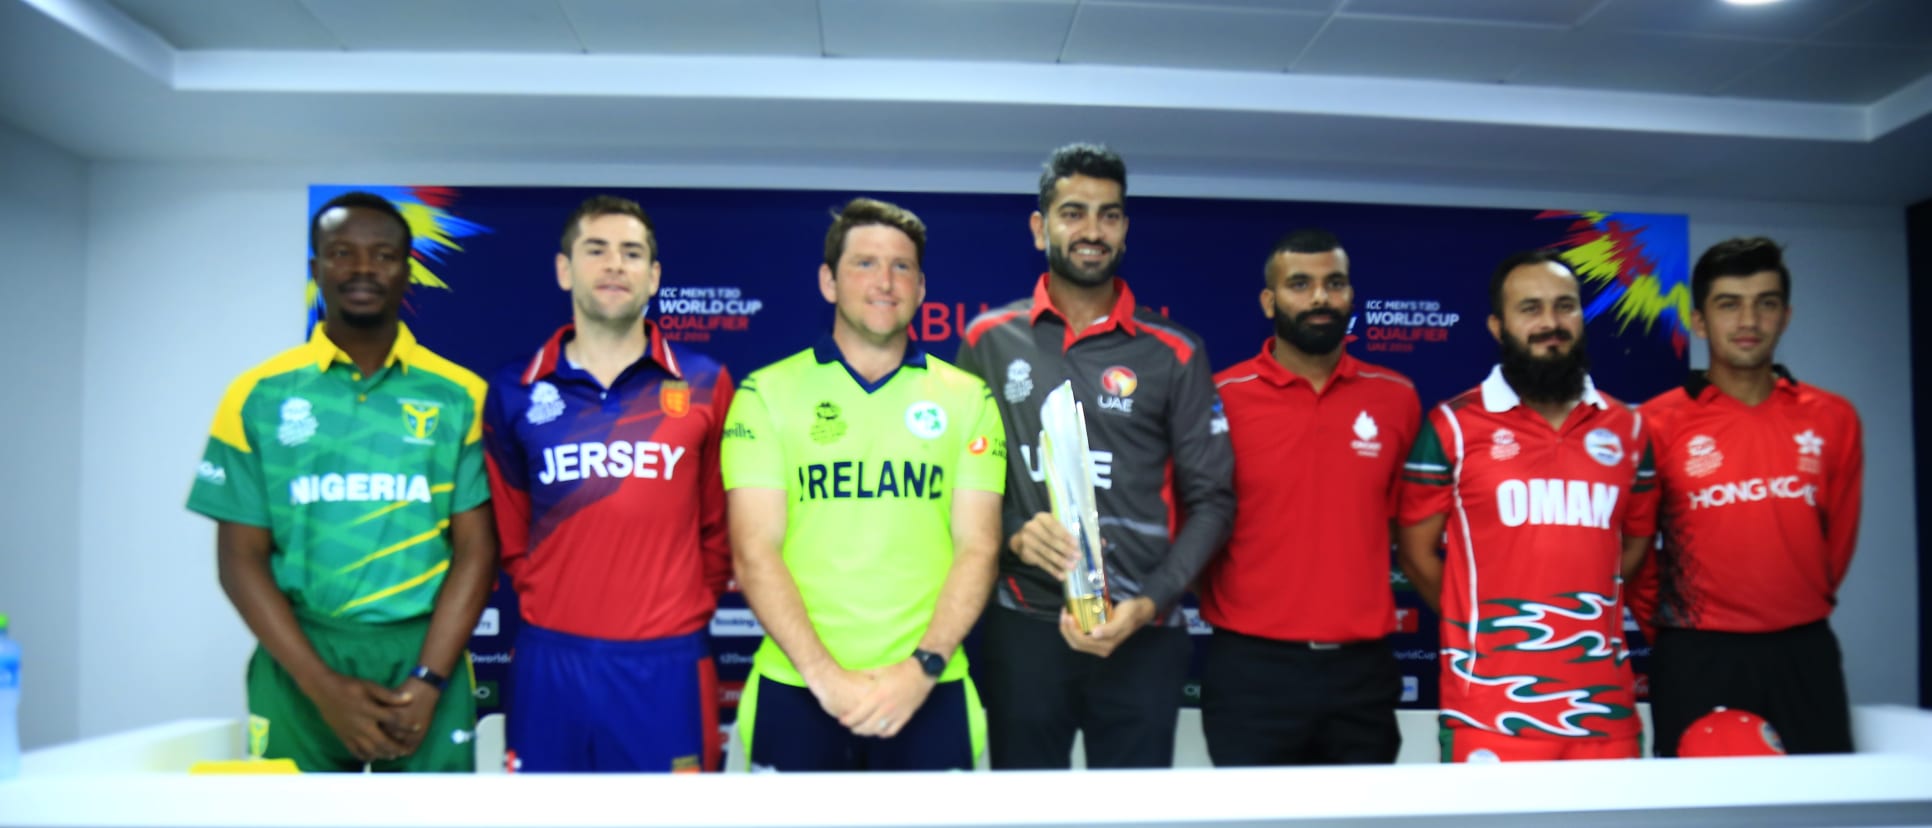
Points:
[(740, 284)]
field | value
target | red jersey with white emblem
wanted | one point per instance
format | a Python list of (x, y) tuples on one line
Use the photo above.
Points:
[(609, 501), (1759, 507), (1532, 622), (1317, 478)]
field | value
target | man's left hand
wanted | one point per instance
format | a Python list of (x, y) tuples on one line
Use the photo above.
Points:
[(412, 719), (898, 691), (1127, 618)]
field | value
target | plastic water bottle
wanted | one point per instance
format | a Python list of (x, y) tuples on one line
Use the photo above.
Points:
[(9, 703)]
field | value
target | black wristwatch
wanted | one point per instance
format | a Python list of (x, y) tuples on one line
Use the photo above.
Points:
[(933, 663), (429, 677)]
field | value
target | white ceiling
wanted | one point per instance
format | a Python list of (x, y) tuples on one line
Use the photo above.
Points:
[(1809, 100)]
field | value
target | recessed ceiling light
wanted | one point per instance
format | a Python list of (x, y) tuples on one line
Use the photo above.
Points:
[(1750, 2)]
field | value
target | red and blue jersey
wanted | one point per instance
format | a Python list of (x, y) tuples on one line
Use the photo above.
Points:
[(609, 501)]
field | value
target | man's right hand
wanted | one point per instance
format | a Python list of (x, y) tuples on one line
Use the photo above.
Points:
[(358, 712), (839, 690), (1044, 543)]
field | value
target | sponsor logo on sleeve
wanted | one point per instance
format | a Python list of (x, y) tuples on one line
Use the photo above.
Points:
[(214, 475)]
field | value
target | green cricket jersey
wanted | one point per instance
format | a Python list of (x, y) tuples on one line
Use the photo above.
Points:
[(355, 476), (869, 472)]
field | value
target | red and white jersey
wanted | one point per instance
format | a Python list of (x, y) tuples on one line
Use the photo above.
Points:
[(1317, 478), (1759, 507), (1532, 619)]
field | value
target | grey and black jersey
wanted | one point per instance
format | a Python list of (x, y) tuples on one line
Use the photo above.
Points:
[(1156, 433)]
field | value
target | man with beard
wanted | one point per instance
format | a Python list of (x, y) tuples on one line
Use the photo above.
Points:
[(1546, 487), (1299, 670), (1761, 478), (1158, 444), (603, 451), (354, 538), (865, 479)]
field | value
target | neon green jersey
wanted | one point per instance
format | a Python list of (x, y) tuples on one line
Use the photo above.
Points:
[(356, 477), (869, 475)]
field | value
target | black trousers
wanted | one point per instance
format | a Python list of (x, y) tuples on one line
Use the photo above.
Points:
[(1794, 678), (1268, 702), (1038, 693)]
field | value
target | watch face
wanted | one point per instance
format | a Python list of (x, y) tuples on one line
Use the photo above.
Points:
[(933, 663)]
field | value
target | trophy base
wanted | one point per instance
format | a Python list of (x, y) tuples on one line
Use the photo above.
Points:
[(1088, 612)]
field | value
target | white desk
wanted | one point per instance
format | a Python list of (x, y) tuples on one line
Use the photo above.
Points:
[(135, 779)]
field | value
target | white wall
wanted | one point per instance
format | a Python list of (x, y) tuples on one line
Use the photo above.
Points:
[(193, 275), (43, 215)]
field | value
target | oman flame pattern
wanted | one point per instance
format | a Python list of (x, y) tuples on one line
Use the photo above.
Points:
[(1545, 624), (1549, 628), (1555, 713), (1638, 264), (434, 230)]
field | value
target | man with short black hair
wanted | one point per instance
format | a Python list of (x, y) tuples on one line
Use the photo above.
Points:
[(1299, 670), (1152, 420), (354, 538), (604, 461), (1762, 477), (1547, 489)]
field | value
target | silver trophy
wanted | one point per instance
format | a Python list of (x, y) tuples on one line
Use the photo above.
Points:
[(1069, 482)]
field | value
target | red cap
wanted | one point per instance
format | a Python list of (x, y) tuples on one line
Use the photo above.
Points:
[(1726, 732)]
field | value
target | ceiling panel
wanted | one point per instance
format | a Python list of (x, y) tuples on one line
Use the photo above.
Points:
[(1541, 12), (447, 25), (1789, 20), (1906, 23), (1153, 35), (1009, 30), (1640, 62), (714, 27), (1839, 74), (231, 24), (1320, 6), (1389, 47)]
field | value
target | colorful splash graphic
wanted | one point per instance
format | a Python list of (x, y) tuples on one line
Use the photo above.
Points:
[(434, 229), (1639, 265)]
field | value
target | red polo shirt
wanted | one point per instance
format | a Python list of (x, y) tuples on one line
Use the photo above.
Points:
[(1316, 480)]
